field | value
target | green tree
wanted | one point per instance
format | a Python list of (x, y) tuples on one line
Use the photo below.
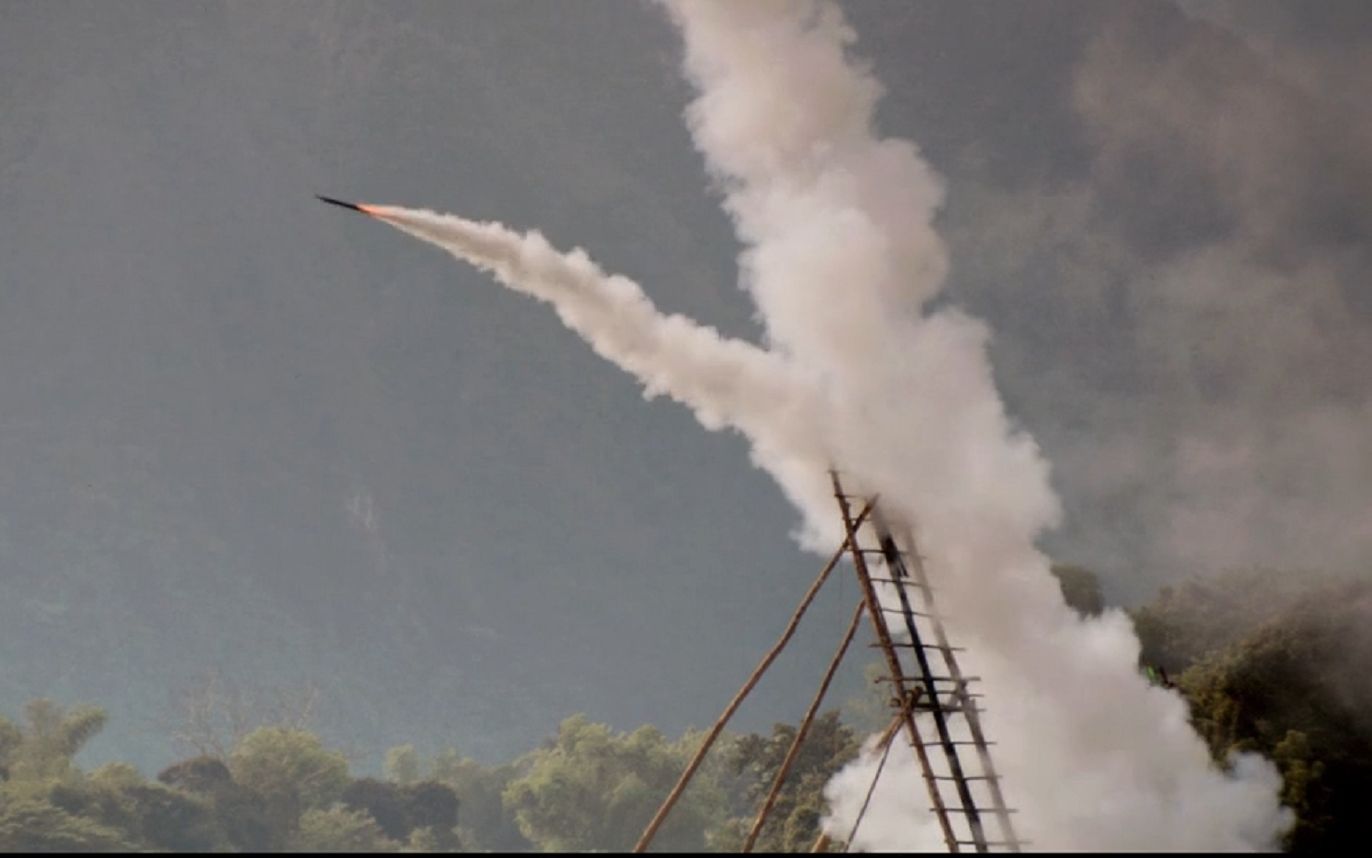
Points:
[(484, 821), (1295, 688), (383, 802), (151, 815), (116, 776), (11, 737), (1204, 615), (339, 829), (290, 765), (112, 808), (793, 824), (432, 807), (35, 825), (431, 840), (593, 789), (1080, 589), (51, 737), (402, 764), (286, 773), (246, 818), (400, 809)]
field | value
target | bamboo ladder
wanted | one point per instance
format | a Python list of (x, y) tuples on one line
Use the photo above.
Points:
[(927, 689)]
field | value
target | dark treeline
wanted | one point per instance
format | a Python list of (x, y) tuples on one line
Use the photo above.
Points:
[(1272, 663), (279, 788)]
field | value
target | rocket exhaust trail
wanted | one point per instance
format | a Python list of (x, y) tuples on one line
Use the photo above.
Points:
[(725, 381)]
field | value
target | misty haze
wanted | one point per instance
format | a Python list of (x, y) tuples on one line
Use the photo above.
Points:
[(314, 537)]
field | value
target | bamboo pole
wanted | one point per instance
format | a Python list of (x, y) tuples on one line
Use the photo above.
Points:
[(885, 745), (824, 841), (802, 731), (648, 833)]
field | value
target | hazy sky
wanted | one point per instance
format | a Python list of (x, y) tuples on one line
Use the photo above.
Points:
[(241, 432)]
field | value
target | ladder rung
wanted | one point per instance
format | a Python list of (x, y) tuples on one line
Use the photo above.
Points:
[(966, 777), (939, 647), (977, 809), (903, 611), (922, 680), (908, 582), (951, 704), (881, 552), (954, 742), (944, 710), (902, 552)]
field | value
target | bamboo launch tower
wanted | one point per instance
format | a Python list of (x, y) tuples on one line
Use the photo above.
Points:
[(931, 701)]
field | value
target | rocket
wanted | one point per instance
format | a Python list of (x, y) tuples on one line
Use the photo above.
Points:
[(357, 207)]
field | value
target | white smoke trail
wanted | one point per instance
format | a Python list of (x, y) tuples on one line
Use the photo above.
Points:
[(726, 382), (841, 258)]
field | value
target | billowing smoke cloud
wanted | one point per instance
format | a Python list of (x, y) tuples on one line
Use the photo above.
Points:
[(841, 255), (1193, 355), (842, 262)]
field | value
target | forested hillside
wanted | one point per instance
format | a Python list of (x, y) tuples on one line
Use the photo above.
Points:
[(1271, 662)]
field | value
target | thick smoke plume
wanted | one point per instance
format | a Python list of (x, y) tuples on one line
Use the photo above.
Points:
[(842, 261)]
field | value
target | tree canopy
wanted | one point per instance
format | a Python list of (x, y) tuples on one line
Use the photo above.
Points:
[(1270, 662)]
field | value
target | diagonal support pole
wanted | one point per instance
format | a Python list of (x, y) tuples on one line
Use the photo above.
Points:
[(802, 731), (885, 745), (646, 839)]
